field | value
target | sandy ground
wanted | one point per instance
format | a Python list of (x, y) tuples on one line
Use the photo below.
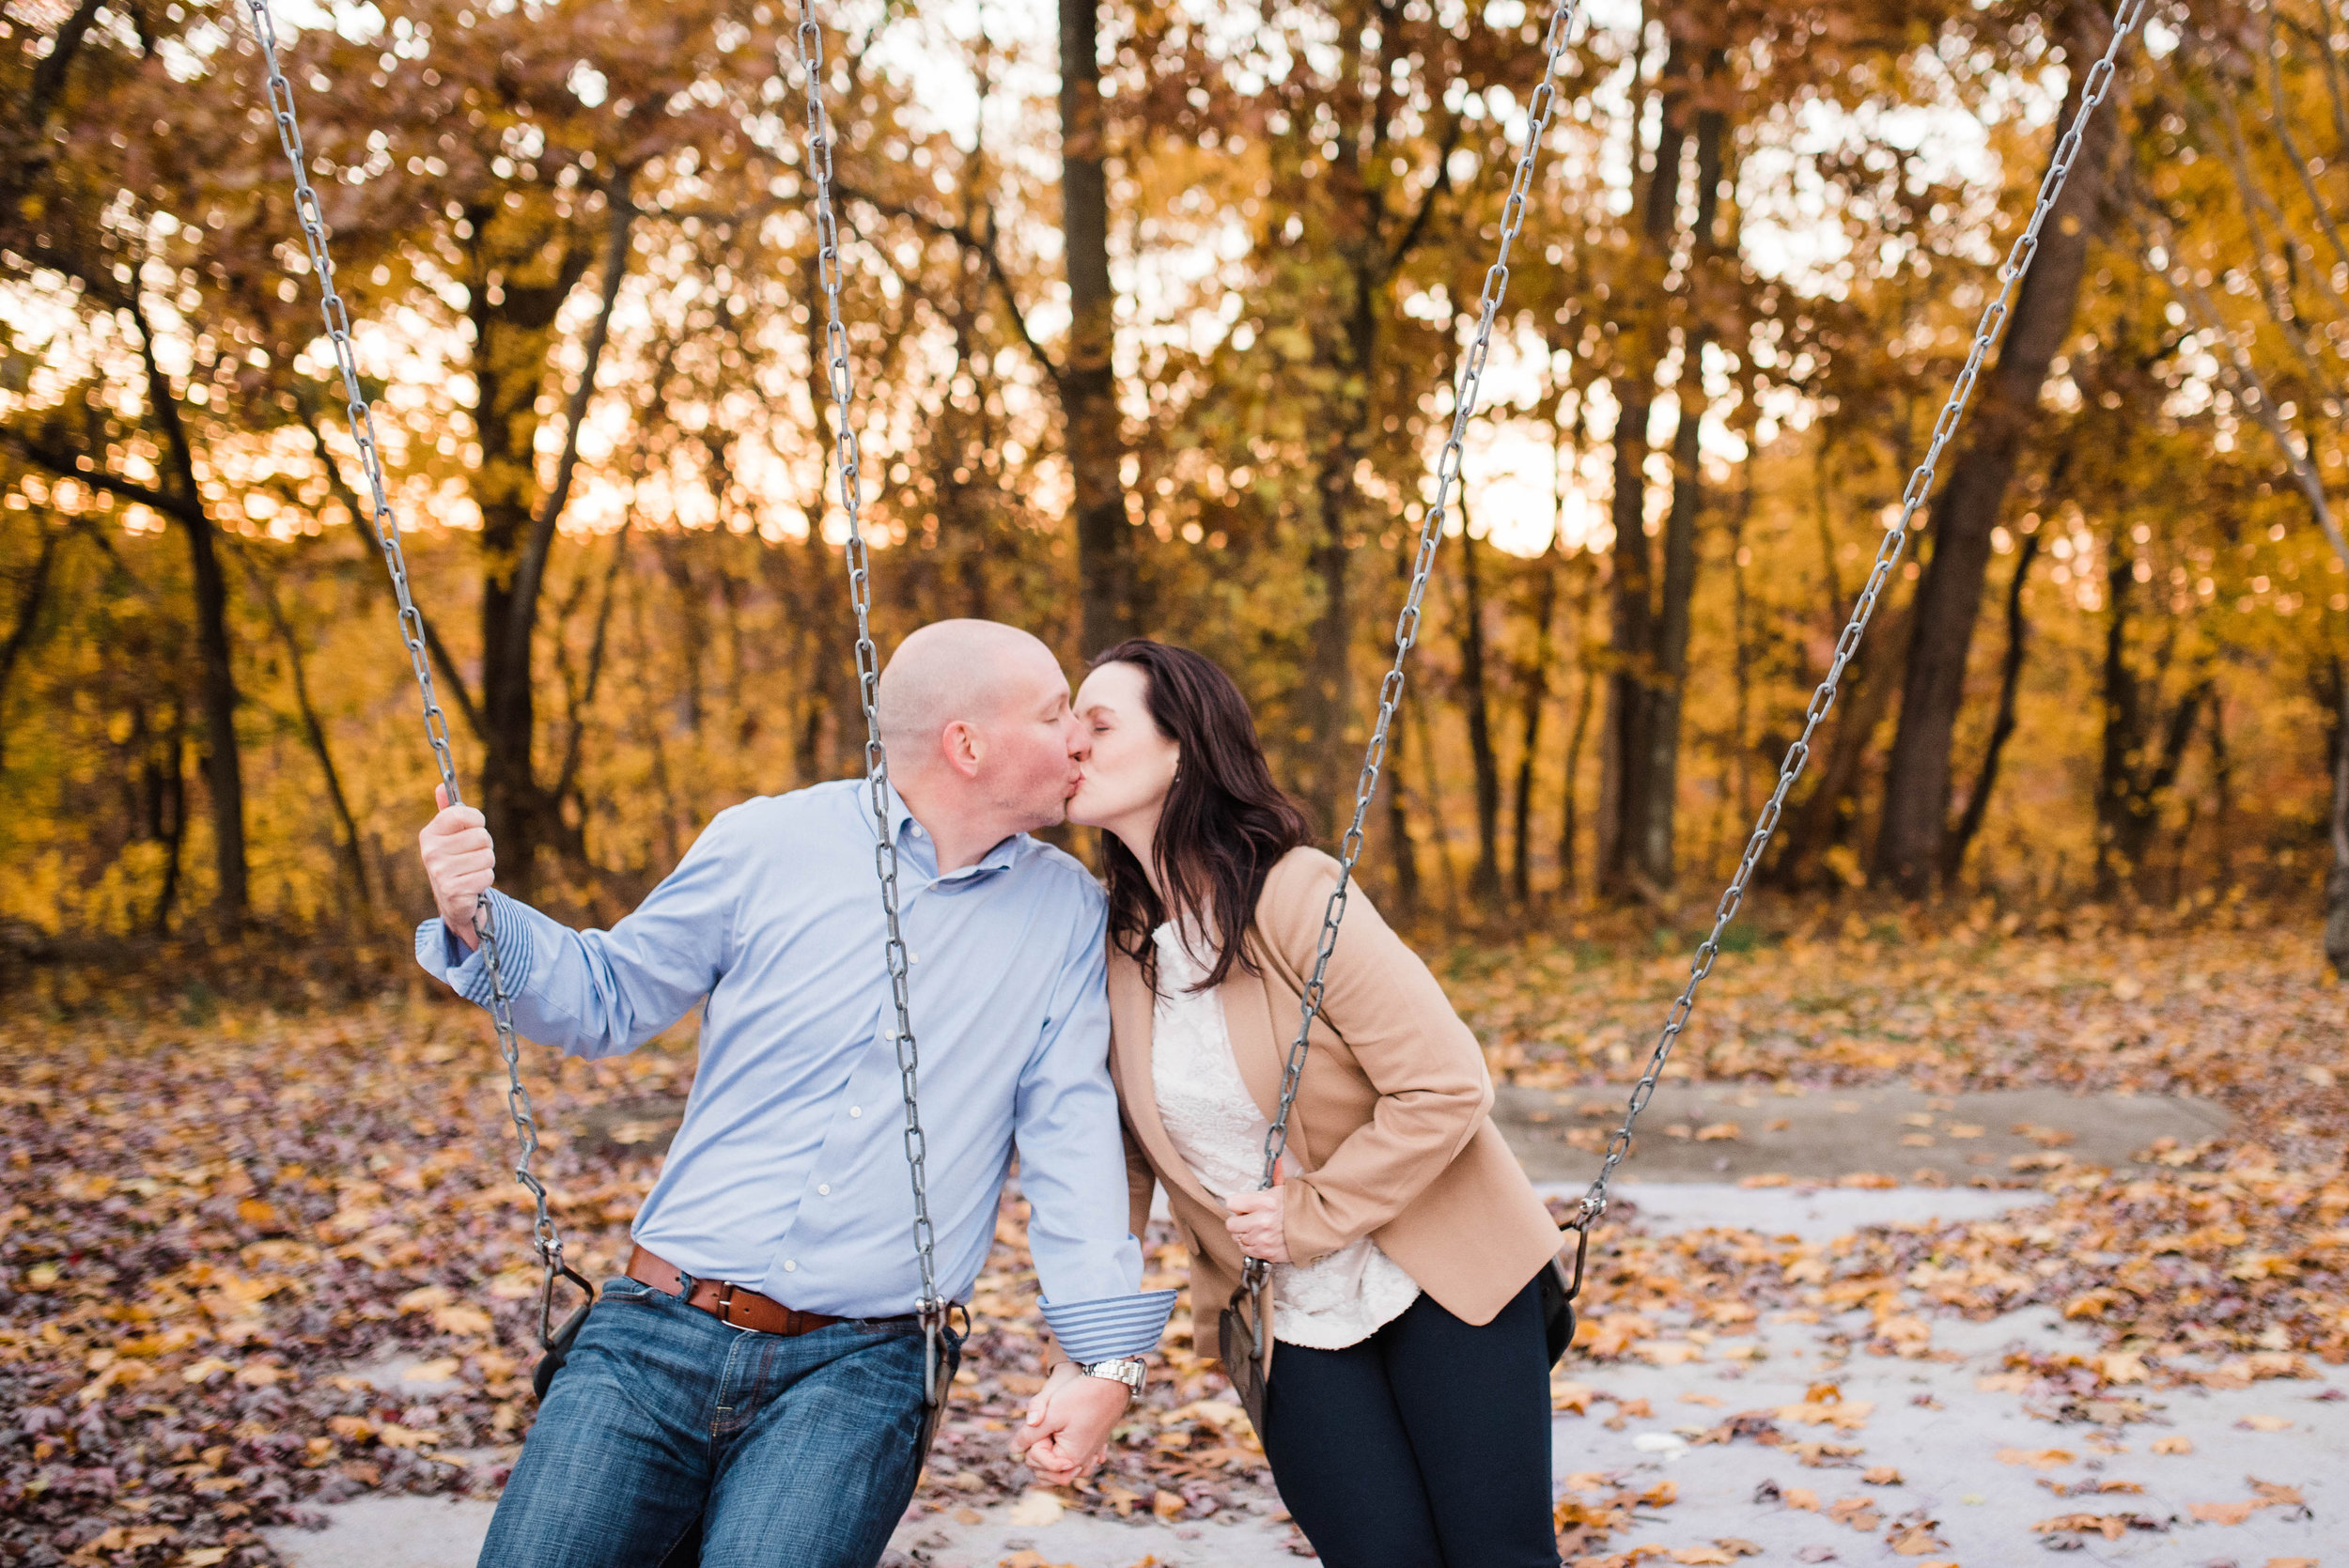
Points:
[(1928, 1420)]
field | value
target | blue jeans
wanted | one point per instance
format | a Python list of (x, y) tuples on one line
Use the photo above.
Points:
[(665, 1422)]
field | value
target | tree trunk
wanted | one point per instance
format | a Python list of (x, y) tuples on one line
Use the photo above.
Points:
[(30, 603), (514, 339), (2136, 767), (222, 763), (1534, 699), (1484, 882), (1401, 852), (168, 812), (1088, 388), (2336, 890), (1626, 781), (1570, 823), (1909, 847), (1660, 806), (2001, 728)]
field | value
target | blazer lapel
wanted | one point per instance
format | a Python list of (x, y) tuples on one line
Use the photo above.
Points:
[(1132, 1010)]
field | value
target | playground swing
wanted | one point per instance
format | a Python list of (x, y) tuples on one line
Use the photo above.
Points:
[(1242, 1346)]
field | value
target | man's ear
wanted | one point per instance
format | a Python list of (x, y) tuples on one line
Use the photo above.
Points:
[(964, 747)]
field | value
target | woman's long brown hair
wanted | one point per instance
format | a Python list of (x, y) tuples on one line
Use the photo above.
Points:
[(1225, 823)]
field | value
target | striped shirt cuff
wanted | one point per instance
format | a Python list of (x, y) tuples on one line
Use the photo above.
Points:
[(1111, 1326), (467, 974)]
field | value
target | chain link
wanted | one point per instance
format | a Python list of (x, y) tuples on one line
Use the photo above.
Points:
[(360, 413), (2011, 271), (841, 378), (1561, 22)]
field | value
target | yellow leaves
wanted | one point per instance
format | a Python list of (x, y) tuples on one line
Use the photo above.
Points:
[(1859, 1512), (1881, 1475), (204, 1557), (2238, 1513), (2264, 1423), (439, 1370), (2222, 1513), (423, 1299), (1915, 1539), (123, 1538), (2111, 1525), (2174, 1445), (258, 1214), (520, 1284), (1803, 1498), (405, 1438), (462, 1320), (1824, 1405), (2094, 1303), (1719, 1132), (1165, 1504), (2038, 1459), (1570, 1396), (1670, 1353)]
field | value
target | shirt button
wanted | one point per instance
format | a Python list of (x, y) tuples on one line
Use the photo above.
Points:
[(913, 957), (824, 1189), (791, 1266), (856, 1111)]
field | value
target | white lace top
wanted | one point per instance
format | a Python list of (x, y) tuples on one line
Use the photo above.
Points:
[(1334, 1301)]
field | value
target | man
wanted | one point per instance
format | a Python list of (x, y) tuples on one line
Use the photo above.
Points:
[(756, 1369)]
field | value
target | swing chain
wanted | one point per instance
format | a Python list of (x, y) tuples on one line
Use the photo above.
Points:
[(2011, 271), (360, 413), (811, 43), (1561, 22)]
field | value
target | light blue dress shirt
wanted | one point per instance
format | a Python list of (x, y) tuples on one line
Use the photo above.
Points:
[(788, 1174)]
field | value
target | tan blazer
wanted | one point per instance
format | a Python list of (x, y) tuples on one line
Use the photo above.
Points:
[(1392, 1122)]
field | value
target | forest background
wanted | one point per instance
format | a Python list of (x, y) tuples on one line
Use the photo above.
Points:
[(1155, 316)]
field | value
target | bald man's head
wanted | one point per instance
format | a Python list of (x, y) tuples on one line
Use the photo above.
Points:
[(980, 739), (951, 671)]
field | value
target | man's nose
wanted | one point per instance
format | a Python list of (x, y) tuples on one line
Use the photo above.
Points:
[(1079, 738)]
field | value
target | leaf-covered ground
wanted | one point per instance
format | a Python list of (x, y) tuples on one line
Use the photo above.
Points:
[(216, 1228)]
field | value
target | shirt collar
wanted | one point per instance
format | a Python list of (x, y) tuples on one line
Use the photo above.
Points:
[(911, 837)]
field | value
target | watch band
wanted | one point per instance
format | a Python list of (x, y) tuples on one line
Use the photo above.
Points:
[(1127, 1370)]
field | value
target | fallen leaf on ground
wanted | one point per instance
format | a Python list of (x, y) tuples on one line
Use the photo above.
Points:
[(2038, 1459)]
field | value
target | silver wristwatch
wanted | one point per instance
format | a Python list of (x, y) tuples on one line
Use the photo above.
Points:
[(1123, 1369)]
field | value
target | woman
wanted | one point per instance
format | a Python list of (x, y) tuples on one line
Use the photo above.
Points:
[(1407, 1419)]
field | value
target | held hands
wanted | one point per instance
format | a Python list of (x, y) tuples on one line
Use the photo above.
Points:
[(1256, 1224), (1068, 1429), (460, 862)]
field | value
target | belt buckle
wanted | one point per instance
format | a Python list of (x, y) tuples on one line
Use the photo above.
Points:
[(724, 1309)]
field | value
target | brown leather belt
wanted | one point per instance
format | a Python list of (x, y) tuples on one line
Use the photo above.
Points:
[(736, 1305)]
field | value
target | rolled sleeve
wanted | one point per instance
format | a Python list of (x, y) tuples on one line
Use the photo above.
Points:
[(599, 993), (1072, 1167), (1112, 1327), (467, 972)]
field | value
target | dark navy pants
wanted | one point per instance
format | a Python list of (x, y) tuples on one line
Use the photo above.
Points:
[(665, 1422), (1424, 1446)]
